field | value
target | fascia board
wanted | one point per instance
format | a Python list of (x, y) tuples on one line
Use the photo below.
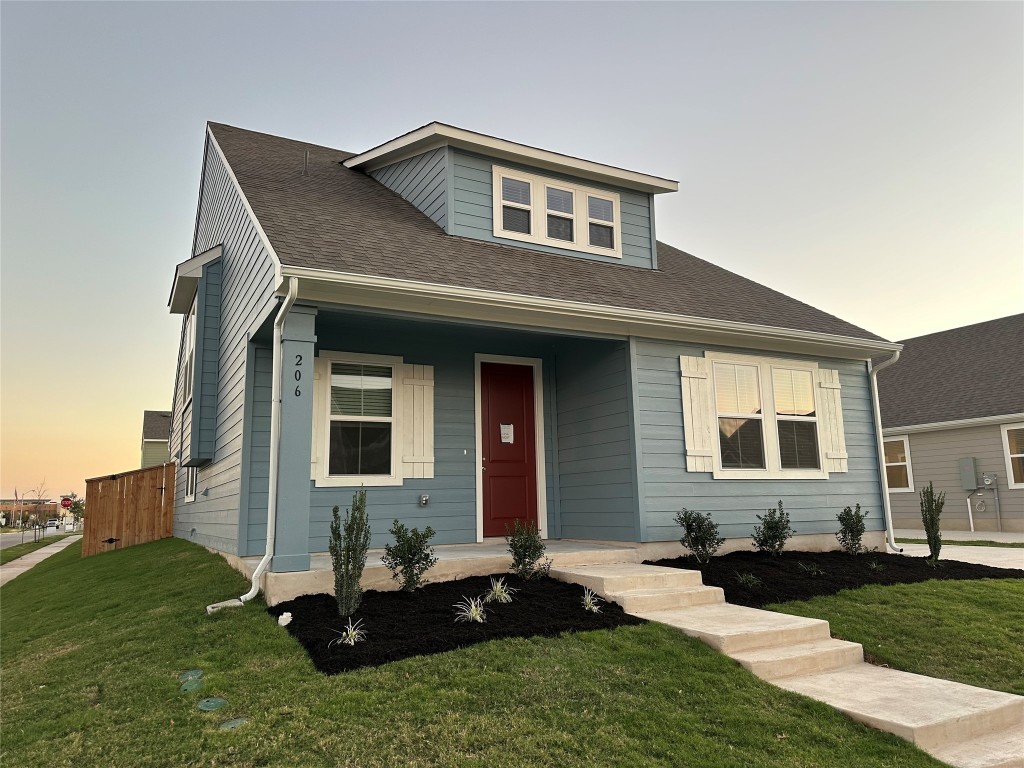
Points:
[(935, 426), (494, 306), (438, 134), (186, 279)]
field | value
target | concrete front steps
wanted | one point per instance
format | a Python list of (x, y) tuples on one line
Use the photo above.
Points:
[(959, 724)]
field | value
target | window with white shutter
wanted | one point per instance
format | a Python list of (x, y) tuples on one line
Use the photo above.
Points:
[(373, 420), (761, 418)]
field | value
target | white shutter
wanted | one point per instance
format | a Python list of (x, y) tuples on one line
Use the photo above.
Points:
[(830, 421), (416, 420), (697, 414)]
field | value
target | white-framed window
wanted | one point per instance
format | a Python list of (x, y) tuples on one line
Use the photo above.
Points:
[(899, 474), (765, 417), (190, 351), (191, 481), (1013, 451), (536, 209), (359, 399)]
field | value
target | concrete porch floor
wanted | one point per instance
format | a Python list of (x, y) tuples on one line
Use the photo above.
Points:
[(454, 561)]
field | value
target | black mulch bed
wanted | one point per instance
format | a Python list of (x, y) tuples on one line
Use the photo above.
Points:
[(795, 576), (399, 625)]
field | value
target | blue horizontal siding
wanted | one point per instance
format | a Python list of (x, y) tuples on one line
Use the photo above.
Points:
[(667, 486), (472, 212), (422, 180)]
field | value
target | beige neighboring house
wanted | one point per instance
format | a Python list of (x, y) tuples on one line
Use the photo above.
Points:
[(953, 414), (156, 429)]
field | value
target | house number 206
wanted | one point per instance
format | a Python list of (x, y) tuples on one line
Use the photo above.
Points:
[(298, 375)]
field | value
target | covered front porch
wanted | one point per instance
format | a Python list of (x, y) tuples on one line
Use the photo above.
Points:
[(401, 405)]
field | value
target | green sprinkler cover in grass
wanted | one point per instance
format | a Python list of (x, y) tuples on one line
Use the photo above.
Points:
[(230, 725), (211, 704), (190, 674), (191, 685)]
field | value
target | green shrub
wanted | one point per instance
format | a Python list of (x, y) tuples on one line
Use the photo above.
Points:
[(771, 535), (349, 541), (851, 530), (410, 556), (527, 550), (931, 510), (700, 534)]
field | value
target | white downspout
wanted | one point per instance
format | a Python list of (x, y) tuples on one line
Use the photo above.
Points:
[(873, 376), (275, 450)]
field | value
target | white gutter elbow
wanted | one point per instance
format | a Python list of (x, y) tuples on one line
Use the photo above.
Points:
[(275, 451), (880, 446)]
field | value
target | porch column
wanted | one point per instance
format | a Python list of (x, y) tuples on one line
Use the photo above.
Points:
[(291, 549)]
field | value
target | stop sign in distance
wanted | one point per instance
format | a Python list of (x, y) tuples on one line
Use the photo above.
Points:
[(65, 502)]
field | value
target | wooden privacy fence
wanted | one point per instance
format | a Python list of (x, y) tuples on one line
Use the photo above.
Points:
[(129, 508)]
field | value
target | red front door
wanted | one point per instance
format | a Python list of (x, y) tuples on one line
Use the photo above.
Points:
[(509, 454)]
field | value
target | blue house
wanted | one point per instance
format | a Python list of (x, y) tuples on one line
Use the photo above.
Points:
[(478, 331)]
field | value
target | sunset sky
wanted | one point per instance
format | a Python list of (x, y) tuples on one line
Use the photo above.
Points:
[(865, 158)]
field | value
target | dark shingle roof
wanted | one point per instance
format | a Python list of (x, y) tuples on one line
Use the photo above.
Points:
[(342, 220), (156, 425), (965, 373)]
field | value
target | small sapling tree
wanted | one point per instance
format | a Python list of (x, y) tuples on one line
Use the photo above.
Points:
[(348, 544), (851, 530), (700, 534), (410, 556), (771, 535), (931, 510)]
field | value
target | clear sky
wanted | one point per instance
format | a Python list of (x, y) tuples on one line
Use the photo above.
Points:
[(865, 158)]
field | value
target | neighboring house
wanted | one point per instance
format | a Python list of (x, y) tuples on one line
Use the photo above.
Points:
[(953, 415), (156, 431), (479, 331)]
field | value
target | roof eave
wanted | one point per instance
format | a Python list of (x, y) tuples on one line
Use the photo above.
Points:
[(436, 135), (186, 280), (507, 308)]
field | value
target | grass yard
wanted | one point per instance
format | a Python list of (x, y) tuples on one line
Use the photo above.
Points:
[(13, 553), (91, 648), (954, 543), (968, 631)]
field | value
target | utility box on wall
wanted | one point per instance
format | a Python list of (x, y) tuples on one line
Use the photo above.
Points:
[(968, 474)]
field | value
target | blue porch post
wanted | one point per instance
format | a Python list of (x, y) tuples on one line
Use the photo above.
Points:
[(291, 550)]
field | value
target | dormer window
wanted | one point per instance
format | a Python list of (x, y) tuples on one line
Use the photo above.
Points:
[(540, 210)]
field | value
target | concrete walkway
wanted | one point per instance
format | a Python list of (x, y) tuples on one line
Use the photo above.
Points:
[(999, 557), (1006, 537), (17, 567), (962, 725)]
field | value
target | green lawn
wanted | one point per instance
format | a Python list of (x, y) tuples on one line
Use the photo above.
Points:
[(13, 553), (951, 542), (969, 631), (90, 650)]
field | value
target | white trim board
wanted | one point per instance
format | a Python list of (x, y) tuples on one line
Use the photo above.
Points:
[(499, 307), (909, 464), (437, 134), (538, 428), (981, 421)]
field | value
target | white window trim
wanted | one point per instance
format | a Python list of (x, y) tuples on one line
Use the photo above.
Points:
[(538, 428), (539, 213), (190, 351), (322, 420), (769, 430), (193, 473), (1005, 428), (910, 468)]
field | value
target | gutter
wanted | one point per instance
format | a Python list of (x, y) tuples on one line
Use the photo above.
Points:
[(880, 446), (275, 452)]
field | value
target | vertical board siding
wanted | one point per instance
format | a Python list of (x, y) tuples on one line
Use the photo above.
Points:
[(812, 504), (472, 210), (246, 284), (595, 454), (422, 180), (128, 509), (935, 457)]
